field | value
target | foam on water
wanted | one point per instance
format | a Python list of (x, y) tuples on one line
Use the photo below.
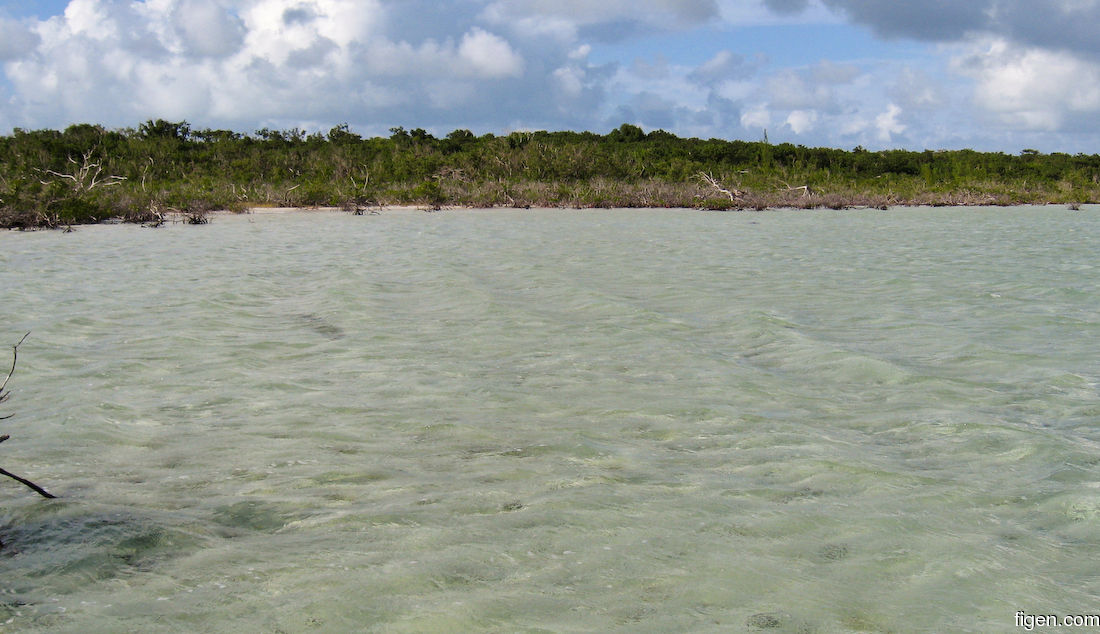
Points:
[(555, 420)]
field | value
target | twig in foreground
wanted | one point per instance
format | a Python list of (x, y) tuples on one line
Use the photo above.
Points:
[(3, 397)]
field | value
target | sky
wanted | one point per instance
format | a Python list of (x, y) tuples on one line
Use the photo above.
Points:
[(991, 75)]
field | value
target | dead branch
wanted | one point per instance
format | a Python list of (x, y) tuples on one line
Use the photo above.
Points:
[(158, 217), (85, 176), (243, 195), (806, 191), (733, 194), (4, 395), (32, 486), (452, 173), (144, 171), (14, 358), (366, 179)]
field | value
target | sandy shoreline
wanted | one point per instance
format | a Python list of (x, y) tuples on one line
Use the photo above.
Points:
[(387, 209), (414, 209), (366, 210), (176, 216)]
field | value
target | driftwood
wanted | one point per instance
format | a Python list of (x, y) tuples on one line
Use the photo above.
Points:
[(733, 194), (286, 195), (5, 395), (806, 191)]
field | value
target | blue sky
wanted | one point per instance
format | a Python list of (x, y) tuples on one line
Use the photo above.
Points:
[(999, 75)]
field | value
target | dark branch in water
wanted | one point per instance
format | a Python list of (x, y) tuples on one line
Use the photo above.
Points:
[(37, 489), (5, 396), (14, 357)]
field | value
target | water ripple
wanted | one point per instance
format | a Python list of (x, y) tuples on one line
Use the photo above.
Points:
[(623, 420)]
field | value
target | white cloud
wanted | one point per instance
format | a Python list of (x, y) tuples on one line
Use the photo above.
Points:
[(569, 21), (277, 28), (723, 66), (801, 121), (581, 52), (208, 27), (168, 92), (191, 28), (1028, 87), (757, 117), (16, 40), (828, 72), (915, 89), (769, 12), (495, 64), (480, 55), (658, 13), (853, 126), (118, 62), (640, 83), (488, 55), (570, 80), (887, 124), (89, 18), (533, 26), (792, 90)]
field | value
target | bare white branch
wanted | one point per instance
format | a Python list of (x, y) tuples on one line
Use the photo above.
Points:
[(86, 176), (806, 191), (733, 194)]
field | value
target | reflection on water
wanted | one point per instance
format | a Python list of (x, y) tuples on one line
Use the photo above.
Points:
[(557, 421)]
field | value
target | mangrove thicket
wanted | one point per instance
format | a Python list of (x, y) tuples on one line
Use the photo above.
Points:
[(87, 173)]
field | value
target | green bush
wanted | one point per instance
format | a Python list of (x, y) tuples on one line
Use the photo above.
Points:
[(171, 165)]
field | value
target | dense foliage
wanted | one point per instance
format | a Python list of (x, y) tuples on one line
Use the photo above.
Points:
[(87, 173)]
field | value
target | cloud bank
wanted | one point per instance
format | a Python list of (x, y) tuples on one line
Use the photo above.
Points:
[(937, 73)]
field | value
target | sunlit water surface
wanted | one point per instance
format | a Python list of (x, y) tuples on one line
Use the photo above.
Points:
[(554, 421)]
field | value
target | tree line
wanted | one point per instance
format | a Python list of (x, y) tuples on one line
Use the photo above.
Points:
[(88, 173)]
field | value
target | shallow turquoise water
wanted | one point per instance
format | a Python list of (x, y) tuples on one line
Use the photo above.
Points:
[(555, 421)]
